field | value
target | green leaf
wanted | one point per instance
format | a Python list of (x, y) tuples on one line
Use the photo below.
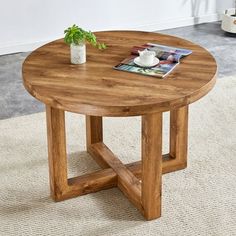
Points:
[(76, 35)]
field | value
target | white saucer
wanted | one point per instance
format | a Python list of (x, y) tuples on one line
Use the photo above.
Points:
[(138, 62)]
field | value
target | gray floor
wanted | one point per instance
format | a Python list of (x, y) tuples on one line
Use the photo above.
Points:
[(15, 101)]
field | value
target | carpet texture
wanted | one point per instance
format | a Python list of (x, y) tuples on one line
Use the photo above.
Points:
[(200, 200)]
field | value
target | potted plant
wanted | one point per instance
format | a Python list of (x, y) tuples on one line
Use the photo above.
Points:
[(229, 20), (77, 37)]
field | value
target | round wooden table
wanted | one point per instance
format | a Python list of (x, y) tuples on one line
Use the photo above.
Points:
[(97, 90)]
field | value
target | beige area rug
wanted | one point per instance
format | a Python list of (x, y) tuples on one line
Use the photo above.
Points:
[(200, 200)]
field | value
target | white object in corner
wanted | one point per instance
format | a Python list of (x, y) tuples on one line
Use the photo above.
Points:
[(229, 21)]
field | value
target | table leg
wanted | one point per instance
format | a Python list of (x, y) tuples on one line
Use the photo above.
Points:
[(94, 134), (151, 165), (179, 134), (56, 151), (94, 129)]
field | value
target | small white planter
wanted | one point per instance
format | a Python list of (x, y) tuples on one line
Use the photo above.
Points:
[(78, 53), (229, 21)]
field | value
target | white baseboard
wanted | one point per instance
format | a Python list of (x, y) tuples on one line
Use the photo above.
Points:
[(21, 47), (180, 22), (172, 23)]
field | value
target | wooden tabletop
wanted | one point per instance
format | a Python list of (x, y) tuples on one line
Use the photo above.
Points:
[(95, 88)]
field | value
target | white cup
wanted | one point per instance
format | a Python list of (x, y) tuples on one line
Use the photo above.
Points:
[(146, 57)]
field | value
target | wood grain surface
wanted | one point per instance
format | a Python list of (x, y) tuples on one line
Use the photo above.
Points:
[(151, 165), (96, 89), (57, 156)]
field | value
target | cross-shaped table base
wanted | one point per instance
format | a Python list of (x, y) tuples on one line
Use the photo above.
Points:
[(139, 181)]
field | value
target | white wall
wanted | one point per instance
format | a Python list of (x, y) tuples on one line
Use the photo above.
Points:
[(27, 24)]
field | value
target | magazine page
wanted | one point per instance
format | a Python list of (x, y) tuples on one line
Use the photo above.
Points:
[(163, 52), (169, 58), (180, 51), (160, 70)]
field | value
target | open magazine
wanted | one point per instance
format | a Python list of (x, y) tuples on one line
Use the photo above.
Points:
[(169, 58)]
